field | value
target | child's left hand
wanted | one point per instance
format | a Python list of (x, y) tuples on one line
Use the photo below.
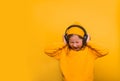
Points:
[(88, 38)]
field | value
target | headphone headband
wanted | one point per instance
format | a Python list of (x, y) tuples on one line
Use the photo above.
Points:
[(84, 37), (71, 26)]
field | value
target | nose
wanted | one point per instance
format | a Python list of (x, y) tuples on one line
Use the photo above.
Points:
[(75, 45)]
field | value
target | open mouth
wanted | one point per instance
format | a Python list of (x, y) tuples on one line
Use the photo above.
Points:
[(76, 48)]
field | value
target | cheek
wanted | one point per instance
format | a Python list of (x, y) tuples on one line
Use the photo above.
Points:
[(80, 43), (70, 44)]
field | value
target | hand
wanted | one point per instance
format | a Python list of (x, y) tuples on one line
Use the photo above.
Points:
[(88, 38), (64, 39)]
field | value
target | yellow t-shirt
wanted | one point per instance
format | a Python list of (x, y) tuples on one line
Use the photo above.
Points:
[(76, 65)]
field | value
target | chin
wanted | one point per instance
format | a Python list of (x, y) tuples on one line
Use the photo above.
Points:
[(76, 49)]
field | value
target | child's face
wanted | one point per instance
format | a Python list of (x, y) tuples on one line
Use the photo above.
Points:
[(75, 42)]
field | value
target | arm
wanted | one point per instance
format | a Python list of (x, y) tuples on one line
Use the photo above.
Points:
[(54, 50), (98, 50)]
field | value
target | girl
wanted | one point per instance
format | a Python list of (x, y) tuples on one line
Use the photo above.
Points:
[(77, 55)]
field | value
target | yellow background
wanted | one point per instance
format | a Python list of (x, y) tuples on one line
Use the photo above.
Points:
[(28, 26)]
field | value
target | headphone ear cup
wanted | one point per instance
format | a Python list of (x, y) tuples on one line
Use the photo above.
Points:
[(65, 37), (85, 39)]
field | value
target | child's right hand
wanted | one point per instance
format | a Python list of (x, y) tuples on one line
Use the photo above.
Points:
[(65, 42)]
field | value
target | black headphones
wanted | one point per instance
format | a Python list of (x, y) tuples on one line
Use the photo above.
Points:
[(84, 37)]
